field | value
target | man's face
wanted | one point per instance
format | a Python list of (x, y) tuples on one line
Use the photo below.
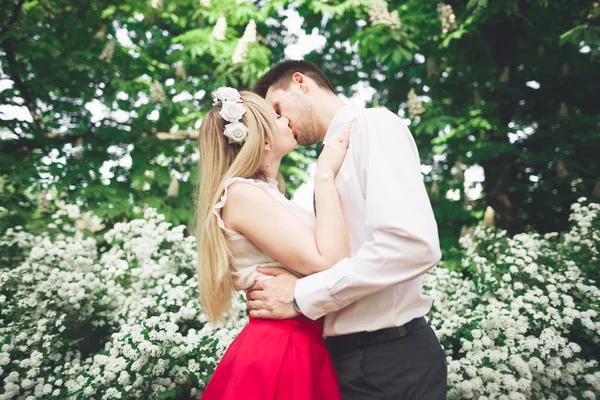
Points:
[(294, 105)]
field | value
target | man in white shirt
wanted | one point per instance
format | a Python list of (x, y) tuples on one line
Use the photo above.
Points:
[(372, 302)]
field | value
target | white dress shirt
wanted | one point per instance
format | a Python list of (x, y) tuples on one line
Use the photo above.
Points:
[(392, 230)]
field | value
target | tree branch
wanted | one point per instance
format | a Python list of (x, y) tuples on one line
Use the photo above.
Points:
[(19, 145), (48, 8), (13, 73), (14, 16), (177, 135)]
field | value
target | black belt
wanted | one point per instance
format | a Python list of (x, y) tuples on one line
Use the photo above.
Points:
[(364, 339)]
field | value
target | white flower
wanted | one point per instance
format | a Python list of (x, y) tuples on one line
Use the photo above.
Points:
[(173, 189), (220, 29), (240, 52), (226, 94), (446, 17), (232, 111), (236, 132), (108, 52), (112, 393), (415, 106), (250, 32), (241, 49), (380, 15), (157, 4), (4, 358), (73, 211), (158, 92)]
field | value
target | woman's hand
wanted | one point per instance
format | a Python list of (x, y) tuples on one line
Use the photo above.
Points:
[(333, 153)]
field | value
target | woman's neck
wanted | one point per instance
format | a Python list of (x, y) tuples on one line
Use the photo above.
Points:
[(272, 167)]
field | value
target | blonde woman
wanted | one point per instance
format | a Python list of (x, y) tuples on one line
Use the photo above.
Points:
[(244, 221)]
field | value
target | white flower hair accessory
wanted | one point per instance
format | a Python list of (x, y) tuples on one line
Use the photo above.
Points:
[(226, 94), (236, 132), (232, 111)]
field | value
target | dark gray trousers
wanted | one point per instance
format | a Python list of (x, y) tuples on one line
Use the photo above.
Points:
[(412, 367)]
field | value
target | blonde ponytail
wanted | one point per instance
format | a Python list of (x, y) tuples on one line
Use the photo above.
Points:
[(219, 161)]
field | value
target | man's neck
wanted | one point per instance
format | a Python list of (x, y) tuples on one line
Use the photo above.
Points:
[(328, 107)]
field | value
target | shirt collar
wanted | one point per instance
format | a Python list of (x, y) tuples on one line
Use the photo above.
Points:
[(346, 114)]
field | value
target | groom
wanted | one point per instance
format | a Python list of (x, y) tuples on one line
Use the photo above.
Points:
[(373, 303)]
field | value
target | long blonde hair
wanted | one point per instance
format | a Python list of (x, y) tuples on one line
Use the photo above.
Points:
[(219, 161)]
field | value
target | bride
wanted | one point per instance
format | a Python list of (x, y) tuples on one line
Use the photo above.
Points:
[(244, 220)]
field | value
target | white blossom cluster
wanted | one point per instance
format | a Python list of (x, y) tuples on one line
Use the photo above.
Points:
[(446, 17), (69, 220), (107, 52), (415, 106), (584, 236), (241, 49), (114, 320), (173, 189), (157, 4), (379, 14), (525, 323), (158, 92), (180, 71), (220, 29)]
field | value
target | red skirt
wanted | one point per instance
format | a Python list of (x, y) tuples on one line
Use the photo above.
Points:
[(276, 360)]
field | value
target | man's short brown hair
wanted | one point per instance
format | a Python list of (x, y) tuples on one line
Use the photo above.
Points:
[(280, 76)]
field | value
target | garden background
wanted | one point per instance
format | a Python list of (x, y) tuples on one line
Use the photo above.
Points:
[(100, 105)]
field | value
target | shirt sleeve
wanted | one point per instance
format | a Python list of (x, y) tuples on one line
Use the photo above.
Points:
[(405, 241)]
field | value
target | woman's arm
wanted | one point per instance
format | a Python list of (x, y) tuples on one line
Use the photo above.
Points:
[(330, 234), (278, 232)]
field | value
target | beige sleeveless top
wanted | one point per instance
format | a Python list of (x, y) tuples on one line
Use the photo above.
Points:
[(246, 256)]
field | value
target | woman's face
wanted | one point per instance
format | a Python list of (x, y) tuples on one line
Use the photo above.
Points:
[(285, 141)]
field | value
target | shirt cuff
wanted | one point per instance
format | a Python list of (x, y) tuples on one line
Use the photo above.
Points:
[(312, 296)]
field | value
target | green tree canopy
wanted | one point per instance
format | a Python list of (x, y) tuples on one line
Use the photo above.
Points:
[(506, 85), (147, 69)]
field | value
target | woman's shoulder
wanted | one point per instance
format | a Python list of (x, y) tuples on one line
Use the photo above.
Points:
[(244, 194), (242, 187), (248, 192)]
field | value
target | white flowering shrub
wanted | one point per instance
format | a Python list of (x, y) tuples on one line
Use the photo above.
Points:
[(523, 323), (121, 321)]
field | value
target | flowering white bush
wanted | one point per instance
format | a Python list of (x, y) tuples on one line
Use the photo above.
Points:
[(117, 322), (524, 324), (122, 319)]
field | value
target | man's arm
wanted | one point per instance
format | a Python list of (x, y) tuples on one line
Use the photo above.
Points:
[(405, 238)]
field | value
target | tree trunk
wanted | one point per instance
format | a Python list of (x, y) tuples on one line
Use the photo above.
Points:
[(499, 176)]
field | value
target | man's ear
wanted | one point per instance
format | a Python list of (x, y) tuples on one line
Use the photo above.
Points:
[(299, 79)]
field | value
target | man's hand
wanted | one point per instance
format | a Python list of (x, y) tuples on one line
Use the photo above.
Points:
[(273, 298)]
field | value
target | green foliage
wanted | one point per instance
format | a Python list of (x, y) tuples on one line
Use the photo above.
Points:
[(506, 85), (149, 66)]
